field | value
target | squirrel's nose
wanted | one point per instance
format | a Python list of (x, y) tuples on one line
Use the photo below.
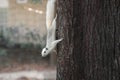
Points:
[(42, 55)]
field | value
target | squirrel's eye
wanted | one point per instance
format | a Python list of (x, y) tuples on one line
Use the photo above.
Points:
[(44, 51)]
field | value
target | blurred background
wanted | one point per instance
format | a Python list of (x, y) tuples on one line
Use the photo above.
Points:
[(22, 37)]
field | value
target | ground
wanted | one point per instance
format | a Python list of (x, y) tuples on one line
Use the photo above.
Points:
[(28, 72), (26, 65)]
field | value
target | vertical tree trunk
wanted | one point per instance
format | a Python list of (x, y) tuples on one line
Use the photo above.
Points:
[(91, 46)]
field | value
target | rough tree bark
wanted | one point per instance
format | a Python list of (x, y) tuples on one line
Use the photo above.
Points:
[(91, 46)]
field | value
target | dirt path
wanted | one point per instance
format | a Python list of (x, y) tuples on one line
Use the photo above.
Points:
[(29, 75)]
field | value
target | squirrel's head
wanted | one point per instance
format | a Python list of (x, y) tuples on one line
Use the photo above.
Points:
[(45, 52)]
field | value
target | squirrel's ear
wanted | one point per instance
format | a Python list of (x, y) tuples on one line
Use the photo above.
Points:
[(46, 48)]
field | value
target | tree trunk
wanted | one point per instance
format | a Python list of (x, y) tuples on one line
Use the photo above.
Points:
[(91, 46)]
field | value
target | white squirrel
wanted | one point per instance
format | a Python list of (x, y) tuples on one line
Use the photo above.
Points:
[(51, 29)]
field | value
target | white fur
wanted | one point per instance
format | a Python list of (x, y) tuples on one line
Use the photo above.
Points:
[(50, 12), (51, 28)]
